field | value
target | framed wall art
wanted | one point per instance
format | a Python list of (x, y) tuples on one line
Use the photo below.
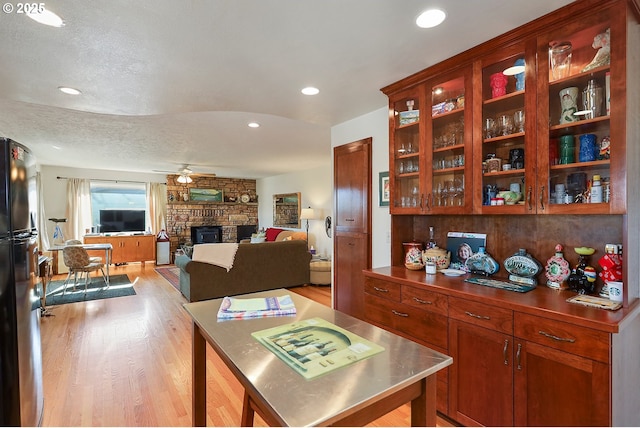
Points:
[(205, 195), (384, 189)]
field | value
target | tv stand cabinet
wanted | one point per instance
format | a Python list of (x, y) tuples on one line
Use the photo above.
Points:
[(127, 248)]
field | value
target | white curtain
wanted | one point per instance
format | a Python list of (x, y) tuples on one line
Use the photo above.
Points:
[(43, 232), (78, 212), (156, 206)]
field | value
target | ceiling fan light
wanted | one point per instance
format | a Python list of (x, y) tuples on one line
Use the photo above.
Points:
[(184, 179)]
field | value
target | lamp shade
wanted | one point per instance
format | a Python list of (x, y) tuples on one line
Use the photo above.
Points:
[(184, 179), (307, 214)]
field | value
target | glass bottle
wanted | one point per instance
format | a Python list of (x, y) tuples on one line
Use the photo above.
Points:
[(557, 270), (432, 241)]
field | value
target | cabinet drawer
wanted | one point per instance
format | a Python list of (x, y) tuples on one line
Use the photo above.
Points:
[(380, 288), (425, 299), (421, 325), (480, 314), (564, 336)]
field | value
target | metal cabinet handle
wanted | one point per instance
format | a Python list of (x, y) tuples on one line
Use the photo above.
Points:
[(504, 352), (542, 198), (381, 290), (400, 314), (425, 200), (559, 339), (349, 219), (423, 302), (518, 356), (529, 198), (482, 317)]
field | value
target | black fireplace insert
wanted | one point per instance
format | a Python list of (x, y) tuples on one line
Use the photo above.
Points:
[(206, 234)]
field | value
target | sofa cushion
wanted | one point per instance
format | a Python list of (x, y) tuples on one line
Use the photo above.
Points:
[(291, 235), (272, 233)]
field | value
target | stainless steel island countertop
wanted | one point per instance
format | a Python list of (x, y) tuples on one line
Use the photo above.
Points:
[(403, 372)]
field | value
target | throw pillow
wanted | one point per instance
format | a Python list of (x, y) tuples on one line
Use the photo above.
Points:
[(272, 232), (257, 239)]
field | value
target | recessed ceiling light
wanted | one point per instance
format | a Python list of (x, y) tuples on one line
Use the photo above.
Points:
[(430, 18), (310, 90), (253, 125), (69, 91), (46, 17)]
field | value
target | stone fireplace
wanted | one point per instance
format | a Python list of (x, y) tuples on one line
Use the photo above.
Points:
[(232, 217)]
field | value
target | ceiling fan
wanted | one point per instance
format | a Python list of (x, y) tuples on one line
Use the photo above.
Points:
[(185, 173)]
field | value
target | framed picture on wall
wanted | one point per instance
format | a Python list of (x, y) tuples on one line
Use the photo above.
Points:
[(384, 189), (208, 195)]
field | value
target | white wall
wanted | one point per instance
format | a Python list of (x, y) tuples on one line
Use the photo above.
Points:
[(375, 125), (316, 191), (55, 190)]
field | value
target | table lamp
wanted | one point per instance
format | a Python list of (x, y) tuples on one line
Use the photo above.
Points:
[(307, 214)]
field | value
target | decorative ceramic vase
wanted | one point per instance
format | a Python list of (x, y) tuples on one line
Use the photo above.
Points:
[(482, 263), (520, 76), (588, 148), (522, 267), (439, 256), (413, 255), (583, 277), (569, 104), (567, 149), (557, 270), (498, 82)]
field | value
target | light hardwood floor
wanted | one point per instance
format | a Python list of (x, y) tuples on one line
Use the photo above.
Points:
[(126, 361)]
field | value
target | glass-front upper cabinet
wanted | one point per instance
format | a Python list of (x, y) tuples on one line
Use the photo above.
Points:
[(448, 154), (582, 143), (407, 117), (505, 154)]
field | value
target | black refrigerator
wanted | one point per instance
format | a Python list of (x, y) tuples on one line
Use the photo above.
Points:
[(21, 395)]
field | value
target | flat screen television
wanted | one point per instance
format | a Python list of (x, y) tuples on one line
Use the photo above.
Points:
[(122, 220)]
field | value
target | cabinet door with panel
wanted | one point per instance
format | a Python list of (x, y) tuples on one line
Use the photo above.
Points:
[(581, 113), (481, 377), (352, 250), (352, 181), (561, 374), (407, 118), (505, 150), (448, 159)]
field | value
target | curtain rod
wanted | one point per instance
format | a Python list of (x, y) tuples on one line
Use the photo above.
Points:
[(106, 179)]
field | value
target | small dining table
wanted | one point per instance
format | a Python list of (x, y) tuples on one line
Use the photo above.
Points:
[(349, 396), (107, 248)]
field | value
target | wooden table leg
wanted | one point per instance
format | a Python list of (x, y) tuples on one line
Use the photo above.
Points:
[(423, 408), (246, 419), (199, 378)]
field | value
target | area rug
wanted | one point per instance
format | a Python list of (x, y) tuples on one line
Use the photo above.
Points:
[(171, 274), (119, 285)]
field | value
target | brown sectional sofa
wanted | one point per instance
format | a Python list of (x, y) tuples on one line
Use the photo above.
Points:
[(256, 267)]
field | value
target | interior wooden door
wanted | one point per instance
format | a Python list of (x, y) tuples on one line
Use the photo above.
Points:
[(352, 240)]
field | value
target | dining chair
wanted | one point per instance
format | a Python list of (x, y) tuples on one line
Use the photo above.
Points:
[(78, 261), (93, 259)]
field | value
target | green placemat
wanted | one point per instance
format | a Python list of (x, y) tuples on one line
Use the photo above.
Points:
[(314, 347), (494, 283)]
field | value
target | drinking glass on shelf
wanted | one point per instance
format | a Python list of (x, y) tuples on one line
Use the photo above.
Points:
[(414, 196), (451, 187), (409, 166), (459, 190), (401, 167), (505, 124), (444, 194), (489, 128), (518, 121)]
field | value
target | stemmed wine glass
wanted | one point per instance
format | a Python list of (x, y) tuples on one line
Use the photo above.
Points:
[(459, 186), (451, 192)]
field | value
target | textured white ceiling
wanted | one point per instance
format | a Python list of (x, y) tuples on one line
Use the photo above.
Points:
[(169, 82)]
